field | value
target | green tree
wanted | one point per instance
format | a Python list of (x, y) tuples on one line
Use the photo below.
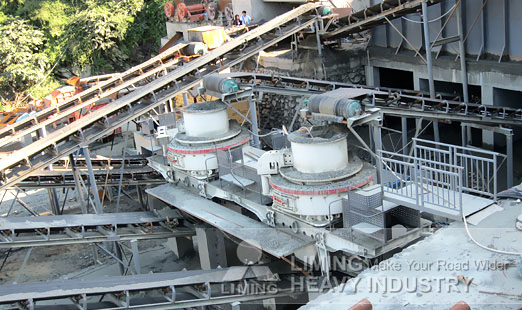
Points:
[(22, 62), (94, 34), (85, 37)]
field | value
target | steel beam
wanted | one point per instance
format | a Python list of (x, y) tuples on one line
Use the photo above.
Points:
[(376, 15), (18, 232), (462, 53), (429, 62), (79, 189), (254, 122), (92, 180)]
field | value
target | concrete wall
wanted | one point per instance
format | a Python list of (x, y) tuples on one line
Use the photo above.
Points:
[(482, 73)]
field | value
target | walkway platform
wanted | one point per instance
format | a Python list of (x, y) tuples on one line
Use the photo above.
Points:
[(470, 203)]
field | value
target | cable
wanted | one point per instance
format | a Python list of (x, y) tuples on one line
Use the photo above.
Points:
[(263, 135), (430, 21), (485, 247)]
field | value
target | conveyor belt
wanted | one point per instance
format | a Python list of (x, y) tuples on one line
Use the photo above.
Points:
[(57, 113), (62, 141), (107, 172), (375, 15), (104, 177), (30, 231), (123, 292), (391, 101)]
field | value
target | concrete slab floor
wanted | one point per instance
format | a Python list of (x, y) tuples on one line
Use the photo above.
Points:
[(443, 269)]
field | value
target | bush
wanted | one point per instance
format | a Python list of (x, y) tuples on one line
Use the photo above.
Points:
[(22, 62), (86, 37)]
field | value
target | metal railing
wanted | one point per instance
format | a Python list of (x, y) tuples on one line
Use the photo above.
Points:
[(479, 175), (422, 181)]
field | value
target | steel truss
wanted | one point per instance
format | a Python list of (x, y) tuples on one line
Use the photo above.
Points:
[(33, 231), (375, 15), (393, 102), (132, 170)]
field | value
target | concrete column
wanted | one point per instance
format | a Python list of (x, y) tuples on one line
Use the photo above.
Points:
[(372, 76), (416, 81), (211, 248), (488, 136), (136, 256), (181, 246)]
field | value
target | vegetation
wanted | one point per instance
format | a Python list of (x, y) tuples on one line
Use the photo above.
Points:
[(42, 42)]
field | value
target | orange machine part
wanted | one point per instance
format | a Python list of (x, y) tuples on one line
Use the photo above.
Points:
[(169, 9)]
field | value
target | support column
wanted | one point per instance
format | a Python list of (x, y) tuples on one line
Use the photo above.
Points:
[(462, 53), (54, 202), (136, 256), (488, 136), (53, 196), (92, 179), (118, 254), (318, 38), (181, 246), (377, 138), (79, 188), (372, 145), (509, 159), (372, 75), (211, 248), (154, 203), (416, 81), (466, 135), (185, 99), (253, 118), (428, 48), (404, 123), (436, 135)]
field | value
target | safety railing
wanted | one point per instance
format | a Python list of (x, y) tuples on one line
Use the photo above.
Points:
[(479, 167), (424, 183), (441, 187)]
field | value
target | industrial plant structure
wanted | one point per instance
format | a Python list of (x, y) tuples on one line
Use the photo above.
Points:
[(333, 154)]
